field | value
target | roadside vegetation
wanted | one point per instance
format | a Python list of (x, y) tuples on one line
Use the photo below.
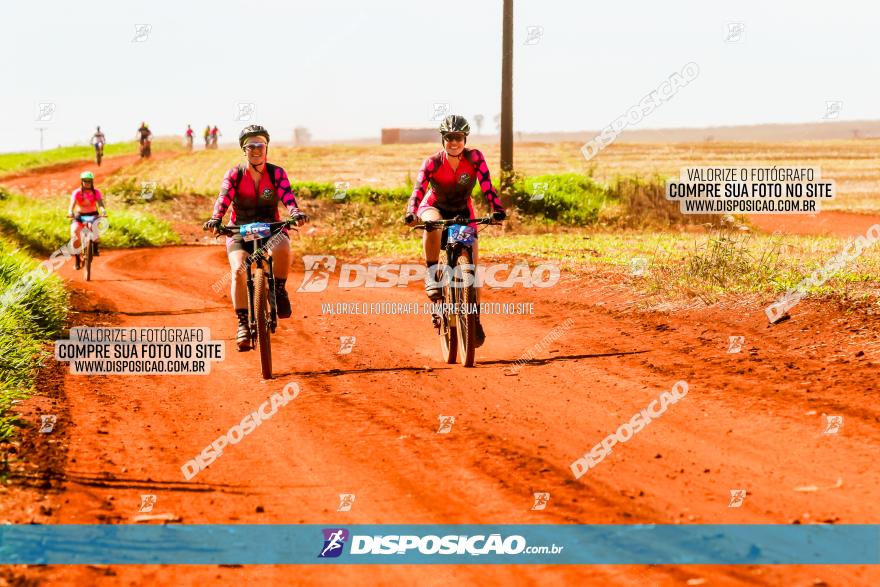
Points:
[(33, 311), (12, 163), (42, 226)]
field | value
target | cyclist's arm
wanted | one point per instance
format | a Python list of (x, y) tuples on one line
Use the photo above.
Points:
[(421, 187), (100, 202), (72, 203), (284, 191), (227, 193), (485, 181)]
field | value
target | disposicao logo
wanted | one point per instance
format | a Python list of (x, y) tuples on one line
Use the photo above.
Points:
[(334, 541)]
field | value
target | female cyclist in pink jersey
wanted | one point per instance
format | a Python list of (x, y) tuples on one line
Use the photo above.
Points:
[(253, 193), (85, 200), (451, 174)]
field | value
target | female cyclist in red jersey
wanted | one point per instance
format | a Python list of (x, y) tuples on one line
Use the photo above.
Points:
[(253, 192), (451, 174), (85, 200)]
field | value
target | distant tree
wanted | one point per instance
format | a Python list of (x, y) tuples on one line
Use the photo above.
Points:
[(301, 136), (478, 120), (497, 120)]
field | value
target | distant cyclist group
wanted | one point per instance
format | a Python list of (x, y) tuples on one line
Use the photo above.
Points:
[(145, 137), (253, 190)]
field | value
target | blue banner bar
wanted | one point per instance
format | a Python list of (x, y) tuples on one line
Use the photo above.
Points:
[(727, 544)]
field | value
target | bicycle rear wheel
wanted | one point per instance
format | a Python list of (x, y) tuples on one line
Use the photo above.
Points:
[(261, 309), (465, 318)]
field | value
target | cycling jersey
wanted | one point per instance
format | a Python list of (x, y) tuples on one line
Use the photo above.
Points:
[(451, 189), (98, 138), (189, 132), (87, 200), (247, 206)]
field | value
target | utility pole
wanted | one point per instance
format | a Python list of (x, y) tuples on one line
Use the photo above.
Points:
[(41, 129), (507, 99)]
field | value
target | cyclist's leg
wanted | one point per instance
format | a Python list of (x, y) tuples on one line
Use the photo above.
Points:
[(280, 256), (75, 233), (431, 240), (280, 268), (237, 259), (431, 245)]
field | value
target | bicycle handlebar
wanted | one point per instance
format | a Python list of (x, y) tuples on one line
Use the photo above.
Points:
[(435, 224), (232, 229)]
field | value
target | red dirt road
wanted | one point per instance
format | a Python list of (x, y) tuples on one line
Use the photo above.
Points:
[(828, 223), (366, 423), (64, 177)]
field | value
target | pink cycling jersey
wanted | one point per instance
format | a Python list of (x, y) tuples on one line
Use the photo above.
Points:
[(451, 189), (87, 200), (252, 203)]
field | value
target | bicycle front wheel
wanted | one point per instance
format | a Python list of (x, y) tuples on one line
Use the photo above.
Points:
[(466, 298), (448, 338), (88, 257), (261, 309)]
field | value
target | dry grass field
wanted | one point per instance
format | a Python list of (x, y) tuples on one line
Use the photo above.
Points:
[(854, 164)]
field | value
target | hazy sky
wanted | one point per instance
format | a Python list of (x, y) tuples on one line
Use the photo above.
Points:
[(346, 69)]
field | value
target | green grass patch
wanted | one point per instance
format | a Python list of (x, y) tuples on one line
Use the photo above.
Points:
[(33, 310), (43, 227), (18, 162), (570, 199)]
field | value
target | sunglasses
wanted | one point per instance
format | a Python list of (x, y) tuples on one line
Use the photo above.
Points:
[(457, 136), (255, 146)]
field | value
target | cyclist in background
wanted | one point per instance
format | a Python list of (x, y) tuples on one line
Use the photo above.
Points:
[(144, 133), (443, 191), (85, 200), (189, 138), (98, 139), (207, 135)]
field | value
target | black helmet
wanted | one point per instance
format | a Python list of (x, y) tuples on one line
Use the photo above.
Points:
[(254, 130), (455, 123)]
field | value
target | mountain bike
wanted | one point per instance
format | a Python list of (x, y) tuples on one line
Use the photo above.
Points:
[(146, 149), (87, 243), (262, 309), (455, 316), (99, 153)]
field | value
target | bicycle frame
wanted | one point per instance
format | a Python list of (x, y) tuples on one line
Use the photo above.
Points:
[(257, 259), (455, 327), (260, 259)]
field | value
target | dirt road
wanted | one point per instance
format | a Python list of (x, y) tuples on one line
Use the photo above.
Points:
[(366, 423), (64, 177), (828, 223)]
